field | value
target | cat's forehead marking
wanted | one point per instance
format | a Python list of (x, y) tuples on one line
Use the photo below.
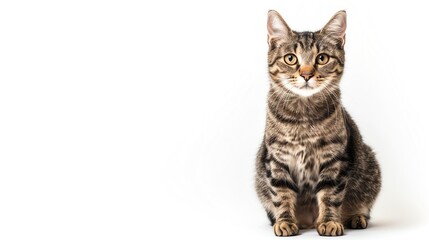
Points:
[(306, 40), (306, 48)]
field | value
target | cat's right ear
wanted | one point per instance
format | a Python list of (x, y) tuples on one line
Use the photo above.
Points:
[(278, 30)]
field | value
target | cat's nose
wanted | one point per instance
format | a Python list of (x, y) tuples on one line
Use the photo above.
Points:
[(306, 72)]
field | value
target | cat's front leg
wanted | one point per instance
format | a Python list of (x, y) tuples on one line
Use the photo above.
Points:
[(330, 195), (283, 195)]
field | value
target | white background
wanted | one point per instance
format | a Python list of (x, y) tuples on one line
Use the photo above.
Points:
[(141, 120)]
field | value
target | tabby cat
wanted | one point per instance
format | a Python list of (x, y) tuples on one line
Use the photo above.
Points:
[(313, 168)]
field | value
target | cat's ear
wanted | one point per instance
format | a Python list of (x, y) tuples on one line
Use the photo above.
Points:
[(336, 27), (278, 30)]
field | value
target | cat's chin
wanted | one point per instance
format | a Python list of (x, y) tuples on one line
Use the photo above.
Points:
[(305, 91)]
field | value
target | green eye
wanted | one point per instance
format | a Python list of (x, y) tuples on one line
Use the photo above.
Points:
[(290, 59), (322, 59)]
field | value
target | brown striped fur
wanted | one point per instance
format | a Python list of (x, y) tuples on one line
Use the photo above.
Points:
[(313, 168)]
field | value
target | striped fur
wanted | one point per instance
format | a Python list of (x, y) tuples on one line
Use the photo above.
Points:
[(313, 168)]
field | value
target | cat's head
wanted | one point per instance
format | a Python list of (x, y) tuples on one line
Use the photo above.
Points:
[(306, 63)]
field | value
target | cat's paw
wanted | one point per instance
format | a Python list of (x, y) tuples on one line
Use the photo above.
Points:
[(358, 222), (285, 228), (330, 228)]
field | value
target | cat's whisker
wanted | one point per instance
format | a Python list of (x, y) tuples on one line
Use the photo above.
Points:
[(326, 100), (331, 93)]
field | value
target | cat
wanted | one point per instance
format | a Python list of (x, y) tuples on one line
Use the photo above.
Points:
[(313, 168)]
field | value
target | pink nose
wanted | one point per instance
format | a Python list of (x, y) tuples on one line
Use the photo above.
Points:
[(306, 72)]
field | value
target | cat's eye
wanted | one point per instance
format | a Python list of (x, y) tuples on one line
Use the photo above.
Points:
[(322, 59), (290, 59)]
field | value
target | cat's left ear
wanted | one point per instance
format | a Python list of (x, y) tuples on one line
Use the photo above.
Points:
[(336, 27)]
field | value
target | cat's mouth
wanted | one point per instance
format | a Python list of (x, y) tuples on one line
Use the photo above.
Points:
[(306, 86)]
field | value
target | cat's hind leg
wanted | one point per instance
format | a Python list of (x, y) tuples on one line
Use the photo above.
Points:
[(357, 222), (356, 219)]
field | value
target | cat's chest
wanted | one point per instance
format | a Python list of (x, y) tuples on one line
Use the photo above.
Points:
[(301, 159), (304, 169)]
